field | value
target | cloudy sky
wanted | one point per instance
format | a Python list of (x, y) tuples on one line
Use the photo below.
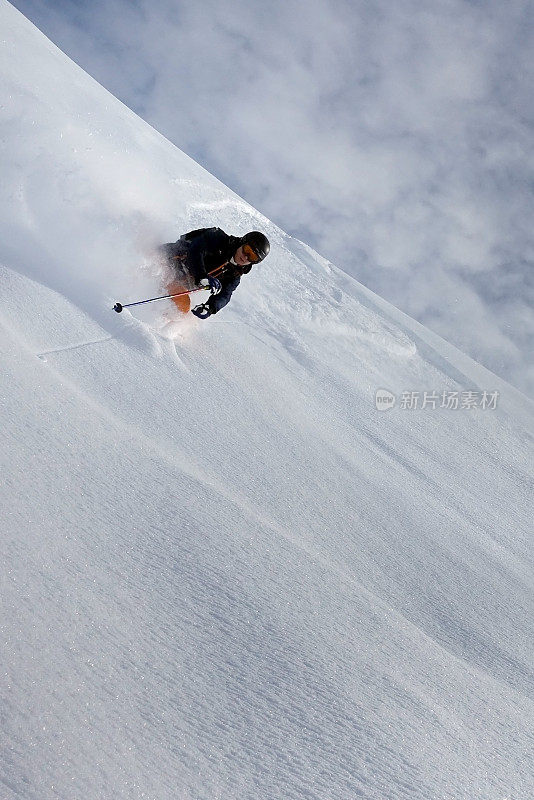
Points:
[(394, 136)]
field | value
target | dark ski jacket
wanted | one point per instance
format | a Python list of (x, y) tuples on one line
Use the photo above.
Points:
[(208, 251)]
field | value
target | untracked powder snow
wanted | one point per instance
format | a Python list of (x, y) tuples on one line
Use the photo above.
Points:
[(227, 570)]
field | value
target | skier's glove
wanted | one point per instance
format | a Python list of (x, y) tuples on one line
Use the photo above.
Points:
[(202, 312), (213, 284)]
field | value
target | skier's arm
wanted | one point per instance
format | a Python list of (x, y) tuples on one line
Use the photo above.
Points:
[(218, 301)]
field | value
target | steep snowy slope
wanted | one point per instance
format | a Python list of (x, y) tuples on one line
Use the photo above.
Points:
[(226, 574)]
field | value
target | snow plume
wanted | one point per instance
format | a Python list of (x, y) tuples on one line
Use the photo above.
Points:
[(227, 572)]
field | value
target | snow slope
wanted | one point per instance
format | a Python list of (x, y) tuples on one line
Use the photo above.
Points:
[(225, 573)]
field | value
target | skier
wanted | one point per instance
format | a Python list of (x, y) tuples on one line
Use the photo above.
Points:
[(210, 257)]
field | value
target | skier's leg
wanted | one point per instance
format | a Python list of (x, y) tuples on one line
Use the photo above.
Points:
[(180, 282)]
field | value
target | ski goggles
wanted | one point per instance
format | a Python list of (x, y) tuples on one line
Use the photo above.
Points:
[(250, 254)]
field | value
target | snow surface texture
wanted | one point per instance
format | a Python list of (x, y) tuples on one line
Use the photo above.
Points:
[(225, 573)]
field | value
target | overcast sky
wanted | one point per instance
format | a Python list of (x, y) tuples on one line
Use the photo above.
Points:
[(394, 136)]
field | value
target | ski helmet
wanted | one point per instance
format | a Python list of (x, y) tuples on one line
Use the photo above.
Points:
[(258, 242)]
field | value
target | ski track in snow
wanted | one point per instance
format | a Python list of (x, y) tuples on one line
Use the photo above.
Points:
[(225, 573)]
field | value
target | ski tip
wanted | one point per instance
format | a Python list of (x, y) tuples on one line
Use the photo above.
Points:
[(117, 307)]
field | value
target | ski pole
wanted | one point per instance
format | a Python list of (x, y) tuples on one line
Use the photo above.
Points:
[(119, 306)]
